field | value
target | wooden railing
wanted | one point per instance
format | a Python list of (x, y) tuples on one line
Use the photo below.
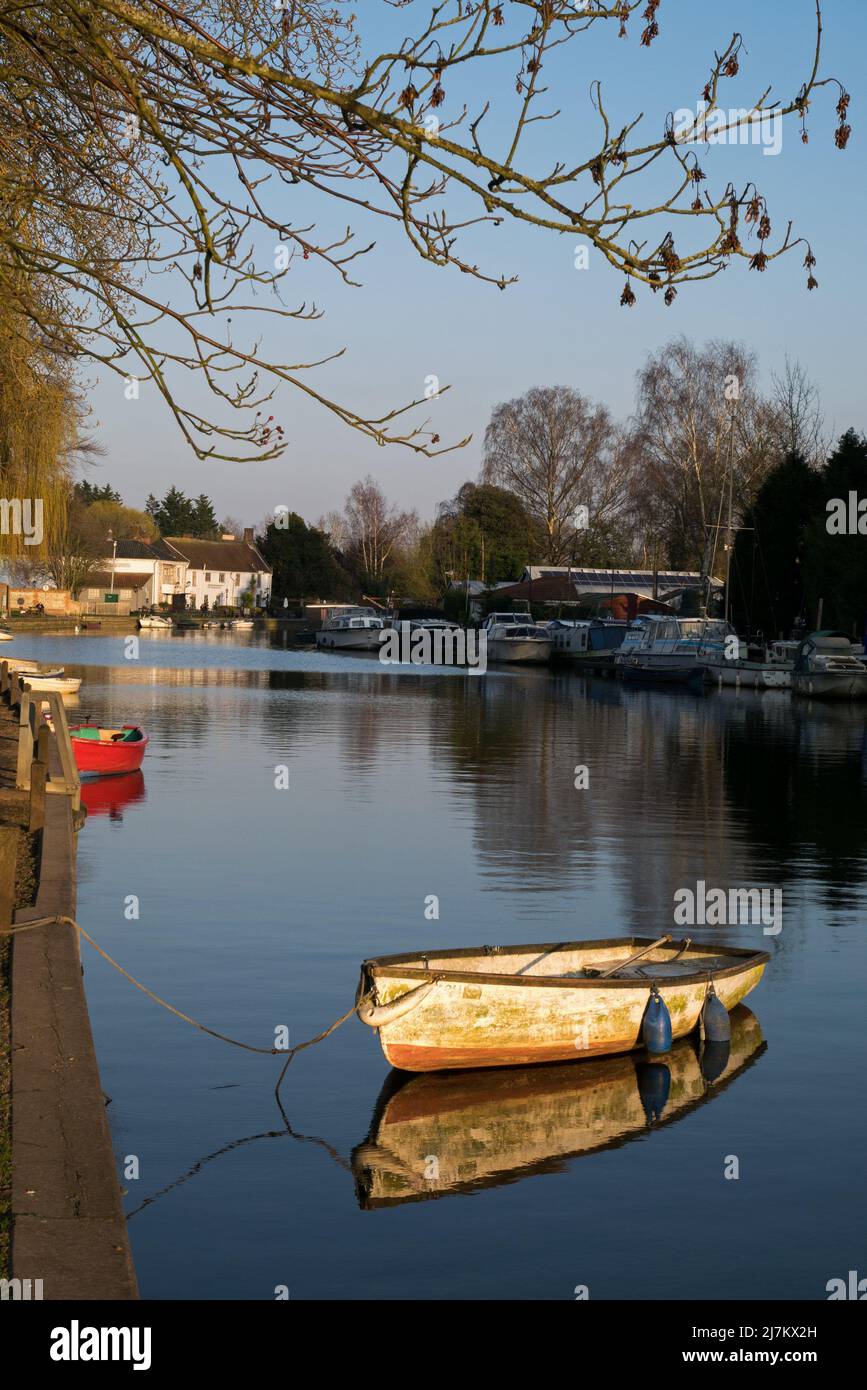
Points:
[(37, 741)]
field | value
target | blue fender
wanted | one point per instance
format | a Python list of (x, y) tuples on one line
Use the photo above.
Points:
[(656, 1024), (715, 1019)]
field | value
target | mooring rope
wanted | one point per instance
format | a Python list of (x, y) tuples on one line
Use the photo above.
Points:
[(164, 1003)]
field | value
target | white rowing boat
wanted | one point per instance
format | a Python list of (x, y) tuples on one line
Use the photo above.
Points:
[(497, 1006)]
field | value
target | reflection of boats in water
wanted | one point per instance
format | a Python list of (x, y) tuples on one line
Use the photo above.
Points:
[(458, 1132), (110, 796)]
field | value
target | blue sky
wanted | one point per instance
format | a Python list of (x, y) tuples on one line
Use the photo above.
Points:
[(557, 324)]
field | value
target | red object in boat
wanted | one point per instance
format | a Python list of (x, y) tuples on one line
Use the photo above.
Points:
[(108, 751)]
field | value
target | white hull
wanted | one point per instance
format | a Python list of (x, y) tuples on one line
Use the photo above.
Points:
[(527, 651), (831, 685), (161, 624), (750, 675), (27, 668), (63, 685), (350, 639)]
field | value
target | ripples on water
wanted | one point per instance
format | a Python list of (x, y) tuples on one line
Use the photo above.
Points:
[(257, 905)]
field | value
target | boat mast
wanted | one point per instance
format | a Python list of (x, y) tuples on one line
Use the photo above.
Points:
[(729, 530)]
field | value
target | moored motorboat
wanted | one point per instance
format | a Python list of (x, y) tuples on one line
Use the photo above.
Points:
[(657, 644), (5, 635), (826, 669), (514, 637), (108, 751), (155, 621), (590, 644), (518, 1005), (751, 669), (355, 629), (635, 672)]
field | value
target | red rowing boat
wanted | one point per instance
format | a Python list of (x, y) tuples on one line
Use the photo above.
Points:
[(108, 751)]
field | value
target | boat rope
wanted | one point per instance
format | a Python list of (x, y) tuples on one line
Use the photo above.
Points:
[(202, 1027)]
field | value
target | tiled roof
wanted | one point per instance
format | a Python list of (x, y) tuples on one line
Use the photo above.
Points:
[(132, 550), (219, 555), (101, 579)]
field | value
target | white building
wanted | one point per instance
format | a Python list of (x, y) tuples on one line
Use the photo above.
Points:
[(223, 573), (181, 571)]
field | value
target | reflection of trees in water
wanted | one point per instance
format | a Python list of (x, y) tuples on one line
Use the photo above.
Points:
[(796, 778), (655, 794), (738, 790)]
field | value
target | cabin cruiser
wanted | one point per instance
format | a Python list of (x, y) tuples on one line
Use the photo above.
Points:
[(154, 620), (588, 642), (753, 668), (826, 668), (671, 649), (516, 637), (352, 629)]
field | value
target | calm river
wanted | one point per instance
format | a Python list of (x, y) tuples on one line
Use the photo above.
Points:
[(256, 906)]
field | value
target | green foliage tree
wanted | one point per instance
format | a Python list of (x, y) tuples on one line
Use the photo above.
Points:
[(88, 493), (302, 560), (837, 558), (769, 562), (179, 515), (485, 532)]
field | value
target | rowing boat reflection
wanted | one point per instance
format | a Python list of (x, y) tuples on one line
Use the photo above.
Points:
[(446, 1132), (110, 796)]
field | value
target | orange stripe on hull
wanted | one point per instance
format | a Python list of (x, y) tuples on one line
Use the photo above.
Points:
[(409, 1057)]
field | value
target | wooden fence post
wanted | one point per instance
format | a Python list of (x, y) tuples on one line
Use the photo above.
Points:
[(26, 737), (38, 780), (64, 747), (43, 743)]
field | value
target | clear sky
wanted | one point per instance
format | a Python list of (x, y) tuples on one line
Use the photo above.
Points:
[(557, 324)]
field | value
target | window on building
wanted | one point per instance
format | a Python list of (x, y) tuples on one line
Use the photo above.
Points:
[(222, 577), (207, 576)]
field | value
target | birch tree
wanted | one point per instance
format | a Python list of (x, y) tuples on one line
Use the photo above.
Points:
[(563, 456)]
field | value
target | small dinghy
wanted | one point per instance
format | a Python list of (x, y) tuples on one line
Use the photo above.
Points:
[(52, 681), (108, 751), (500, 1006), (19, 667)]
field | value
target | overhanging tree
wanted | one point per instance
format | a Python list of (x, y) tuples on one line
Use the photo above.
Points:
[(148, 150)]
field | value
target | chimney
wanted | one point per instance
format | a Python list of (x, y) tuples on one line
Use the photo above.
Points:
[(248, 535)]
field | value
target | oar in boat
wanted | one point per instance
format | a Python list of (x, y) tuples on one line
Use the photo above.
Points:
[(606, 974)]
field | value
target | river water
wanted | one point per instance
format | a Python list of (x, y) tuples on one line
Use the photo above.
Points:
[(256, 903)]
